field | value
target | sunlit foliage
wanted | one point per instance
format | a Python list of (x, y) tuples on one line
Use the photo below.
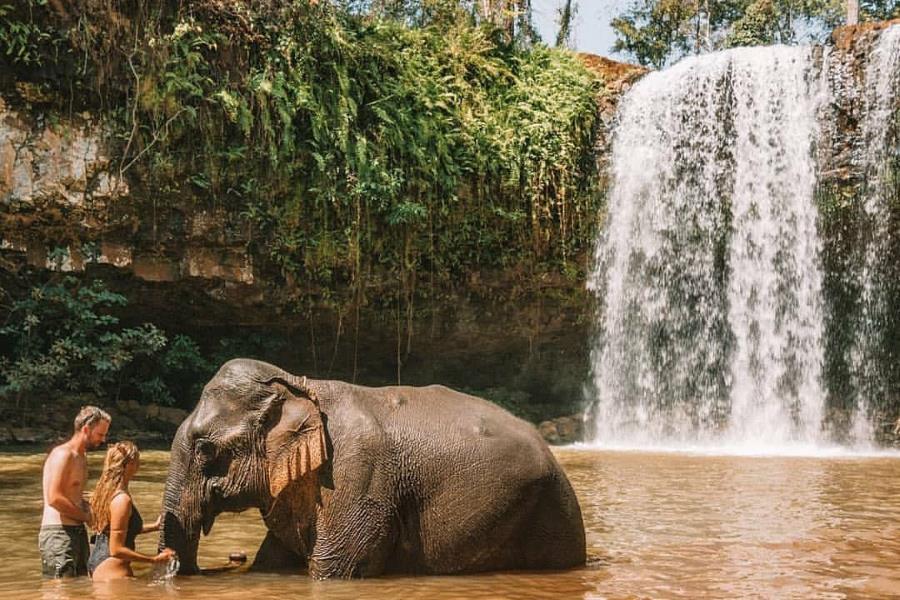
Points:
[(66, 336), (356, 148), (656, 32)]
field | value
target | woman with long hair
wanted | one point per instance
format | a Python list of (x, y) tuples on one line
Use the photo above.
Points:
[(116, 518)]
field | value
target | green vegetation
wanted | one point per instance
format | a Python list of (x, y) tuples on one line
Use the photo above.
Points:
[(24, 42), (65, 337), (879, 10), (375, 156), (360, 152), (655, 32)]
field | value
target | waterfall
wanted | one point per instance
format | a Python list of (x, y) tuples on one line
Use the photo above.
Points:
[(708, 268), (882, 86)]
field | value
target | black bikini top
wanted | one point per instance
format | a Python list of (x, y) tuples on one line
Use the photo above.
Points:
[(135, 524)]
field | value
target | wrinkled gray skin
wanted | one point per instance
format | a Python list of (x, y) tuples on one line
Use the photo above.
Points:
[(415, 480)]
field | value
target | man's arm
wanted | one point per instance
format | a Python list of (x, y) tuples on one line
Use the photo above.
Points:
[(58, 465)]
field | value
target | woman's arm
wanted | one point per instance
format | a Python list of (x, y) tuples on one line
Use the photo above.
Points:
[(154, 526), (119, 514)]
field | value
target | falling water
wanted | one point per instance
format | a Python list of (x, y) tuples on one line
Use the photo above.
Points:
[(882, 86), (708, 268)]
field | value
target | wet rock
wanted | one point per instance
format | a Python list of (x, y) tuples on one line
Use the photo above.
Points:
[(617, 76), (156, 268), (61, 165), (117, 255), (218, 263), (123, 422), (617, 79), (173, 416), (847, 38), (32, 435), (144, 437), (563, 430), (133, 407), (842, 149)]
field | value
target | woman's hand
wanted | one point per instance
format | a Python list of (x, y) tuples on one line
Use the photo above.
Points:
[(154, 526), (163, 557)]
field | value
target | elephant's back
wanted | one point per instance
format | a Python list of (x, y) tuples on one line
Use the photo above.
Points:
[(427, 409), (460, 421), (473, 439), (437, 424), (465, 468)]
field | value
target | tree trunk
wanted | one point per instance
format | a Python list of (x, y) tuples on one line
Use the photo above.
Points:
[(565, 25), (852, 12)]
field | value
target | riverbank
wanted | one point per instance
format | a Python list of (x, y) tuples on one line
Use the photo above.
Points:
[(42, 424)]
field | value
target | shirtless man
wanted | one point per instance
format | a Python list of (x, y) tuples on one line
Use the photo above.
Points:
[(63, 540)]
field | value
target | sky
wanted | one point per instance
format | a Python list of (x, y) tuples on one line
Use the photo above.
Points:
[(592, 32)]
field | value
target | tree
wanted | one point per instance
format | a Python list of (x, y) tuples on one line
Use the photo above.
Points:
[(566, 14), (657, 31), (512, 17), (65, 336), (878, 10), (852, 12)]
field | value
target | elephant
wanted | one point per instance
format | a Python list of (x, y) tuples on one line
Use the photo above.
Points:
[(355, 481)]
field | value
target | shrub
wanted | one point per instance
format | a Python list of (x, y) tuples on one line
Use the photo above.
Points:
[(63, 337)]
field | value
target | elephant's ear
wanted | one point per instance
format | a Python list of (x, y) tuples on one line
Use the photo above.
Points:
[(295, 444)]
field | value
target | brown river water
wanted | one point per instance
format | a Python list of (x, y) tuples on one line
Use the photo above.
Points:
[(659, 525)]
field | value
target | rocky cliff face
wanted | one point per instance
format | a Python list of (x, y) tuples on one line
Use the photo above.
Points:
[(845, 62), (66, 207), (859, 203)]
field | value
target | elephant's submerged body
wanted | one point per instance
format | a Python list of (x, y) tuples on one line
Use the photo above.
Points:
[(406, 480), (456, 484)]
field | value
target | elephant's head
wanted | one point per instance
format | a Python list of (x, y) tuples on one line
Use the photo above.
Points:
[(255, 437)]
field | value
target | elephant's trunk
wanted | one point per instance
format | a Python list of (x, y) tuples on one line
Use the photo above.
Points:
[(180, 526)]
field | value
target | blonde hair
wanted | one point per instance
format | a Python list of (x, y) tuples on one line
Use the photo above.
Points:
[(118, 457), (90, 416)]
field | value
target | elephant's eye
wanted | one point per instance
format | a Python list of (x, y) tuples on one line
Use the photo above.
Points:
[(205, 449)]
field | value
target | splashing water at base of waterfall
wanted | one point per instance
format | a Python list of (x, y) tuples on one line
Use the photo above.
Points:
[(708, 269)]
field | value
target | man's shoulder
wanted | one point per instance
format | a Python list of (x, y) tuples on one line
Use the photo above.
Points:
[(62, 454)]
